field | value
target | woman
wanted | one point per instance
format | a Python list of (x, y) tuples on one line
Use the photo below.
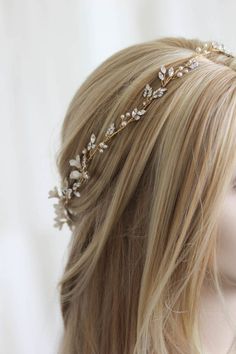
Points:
[(150, 237)]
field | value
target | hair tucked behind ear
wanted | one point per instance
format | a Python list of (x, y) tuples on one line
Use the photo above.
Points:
[(144, 237)]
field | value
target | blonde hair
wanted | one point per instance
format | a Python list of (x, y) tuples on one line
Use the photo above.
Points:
[(145, 234)]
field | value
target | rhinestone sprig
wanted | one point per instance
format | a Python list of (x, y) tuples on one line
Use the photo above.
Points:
[(214, 46), (79, 174)]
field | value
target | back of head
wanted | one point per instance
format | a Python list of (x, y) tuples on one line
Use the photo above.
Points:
[(146, 221)]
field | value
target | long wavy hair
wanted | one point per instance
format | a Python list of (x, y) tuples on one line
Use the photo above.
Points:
[(146, 228)]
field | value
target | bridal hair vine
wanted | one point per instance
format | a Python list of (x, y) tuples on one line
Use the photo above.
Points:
[(79, 173)]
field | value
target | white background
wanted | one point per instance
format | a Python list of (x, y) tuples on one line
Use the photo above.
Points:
[(48, 48)]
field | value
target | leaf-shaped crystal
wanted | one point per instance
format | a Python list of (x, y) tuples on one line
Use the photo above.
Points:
[(75, 174), (163, 89), (75, 162), (170, 71), (147, 91), (66, 192), (91, 146), (161, 76), (163, 69), (134, 112), (93, 138), (141, 112), (103, 145), (110, 130), (193, 65), (159, 92), (137, 113)]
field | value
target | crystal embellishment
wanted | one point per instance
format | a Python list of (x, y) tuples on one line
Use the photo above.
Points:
[(136, 114)]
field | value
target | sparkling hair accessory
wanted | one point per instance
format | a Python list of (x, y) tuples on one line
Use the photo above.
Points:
[(79, 173)]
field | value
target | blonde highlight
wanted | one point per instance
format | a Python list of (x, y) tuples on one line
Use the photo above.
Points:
[(146, 222)]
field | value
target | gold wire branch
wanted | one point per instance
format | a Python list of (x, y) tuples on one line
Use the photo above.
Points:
[(79, 173)]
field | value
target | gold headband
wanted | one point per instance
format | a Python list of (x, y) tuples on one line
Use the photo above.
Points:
[(79, 174)]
